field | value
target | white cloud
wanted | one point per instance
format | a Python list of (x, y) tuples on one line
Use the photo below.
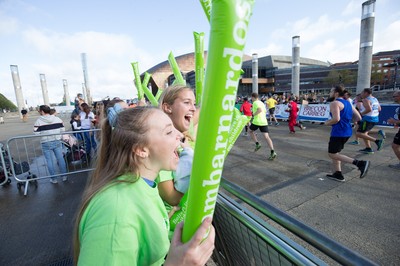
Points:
[(7, 24), (385, 39), (271, 49), (353, 7), (58, 56), (321, 28)]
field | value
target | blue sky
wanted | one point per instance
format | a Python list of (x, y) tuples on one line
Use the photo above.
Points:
[(42, 36)]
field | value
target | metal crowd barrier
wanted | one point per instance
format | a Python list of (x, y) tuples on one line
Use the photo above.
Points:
[(245, 239), (4, 167), (28, 164)]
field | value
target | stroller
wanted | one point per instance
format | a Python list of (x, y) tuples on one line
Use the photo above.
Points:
[(19, 168), (74, 151)]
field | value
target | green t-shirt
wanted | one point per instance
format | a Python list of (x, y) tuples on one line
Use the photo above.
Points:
[(162, 177), (124, 224), (261, 118)]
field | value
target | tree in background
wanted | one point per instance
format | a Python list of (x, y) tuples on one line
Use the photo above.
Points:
[(7, 104), (346, 77)]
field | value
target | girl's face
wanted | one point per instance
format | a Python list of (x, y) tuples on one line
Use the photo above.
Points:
[(164, 141), (182, 110)]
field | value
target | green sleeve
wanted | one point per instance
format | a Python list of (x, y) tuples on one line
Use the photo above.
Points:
[(164, 176)]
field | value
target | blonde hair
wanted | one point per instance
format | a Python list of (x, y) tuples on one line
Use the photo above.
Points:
[(170, 94), (119, 143)]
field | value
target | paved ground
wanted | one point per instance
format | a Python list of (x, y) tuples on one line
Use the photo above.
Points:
[(362, 214)]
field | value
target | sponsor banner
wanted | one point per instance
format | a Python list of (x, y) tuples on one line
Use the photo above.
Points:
[(320, 113), (280, 112), (314, 112), (388, 111)]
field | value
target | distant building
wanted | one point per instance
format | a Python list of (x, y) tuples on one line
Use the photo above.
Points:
[(274, 73)]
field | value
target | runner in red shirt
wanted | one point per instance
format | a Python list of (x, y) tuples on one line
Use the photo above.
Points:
[(293, 109), (246, 110)]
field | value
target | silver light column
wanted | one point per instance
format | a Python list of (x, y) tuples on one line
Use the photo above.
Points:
[(45, 93), (254, 64), (17, 88), (86, 79), (296, 65), (366, 44), (66, 93)]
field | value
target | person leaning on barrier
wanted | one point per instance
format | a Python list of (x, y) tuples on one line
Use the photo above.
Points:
[(122, 219), (50, 124)]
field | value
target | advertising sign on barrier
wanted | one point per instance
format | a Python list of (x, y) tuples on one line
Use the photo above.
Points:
[(314, 112), (280, 112), (388, 111)]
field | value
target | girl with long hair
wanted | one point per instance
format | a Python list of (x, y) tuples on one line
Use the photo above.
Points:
[(122, 220)]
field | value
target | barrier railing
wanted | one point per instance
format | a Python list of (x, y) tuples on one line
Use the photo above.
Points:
[(262, 244), (4, 167), (28, 163)]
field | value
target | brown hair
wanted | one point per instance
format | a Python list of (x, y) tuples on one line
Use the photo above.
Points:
[(254, 95), (119, 143), (340, 90)]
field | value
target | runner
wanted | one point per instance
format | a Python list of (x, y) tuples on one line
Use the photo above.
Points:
[(342, 113), (260, 122)]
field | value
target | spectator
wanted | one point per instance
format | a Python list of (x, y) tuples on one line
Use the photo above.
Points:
[(178, 103), (87, 122), (123, 220), (78, 102), (50, 124), (76, 125)]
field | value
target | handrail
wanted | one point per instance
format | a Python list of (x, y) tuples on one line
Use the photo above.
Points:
[(293, 251), (328, 246)]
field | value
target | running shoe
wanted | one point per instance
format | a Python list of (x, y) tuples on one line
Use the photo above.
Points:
[(379, 143), (272, 156), (395, 166), (276, 124), (258, 146), (336, 176), (53, 181), (363, 167), (367, 151), (64, 178), (355, 142), (382, 133)]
